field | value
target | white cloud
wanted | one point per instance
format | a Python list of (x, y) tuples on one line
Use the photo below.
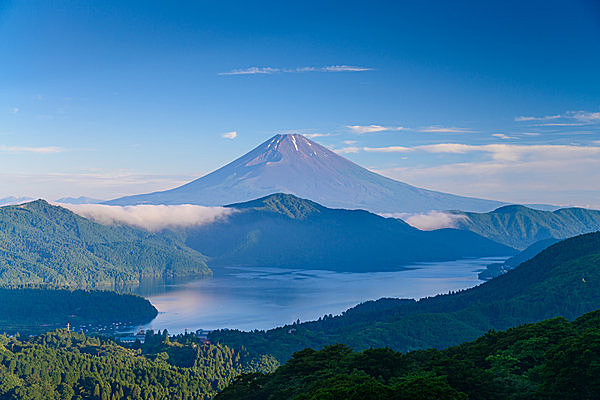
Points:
[(316, 135), (582, 117), (430, 221), (229, 135), (544, 118), (152, 218), (345, 68), (561, 124), (439, 129), (43, 150), (360, 129), (14, 110), (499, 151), (502, 136), (272, 70), (388, 149), (252, 71), (509, 152), (348, 150)]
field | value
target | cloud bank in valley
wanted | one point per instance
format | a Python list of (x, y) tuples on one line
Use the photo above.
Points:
[(431, 221), (152, 218)]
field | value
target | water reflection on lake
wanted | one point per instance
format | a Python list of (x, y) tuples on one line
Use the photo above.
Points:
[(262, 298)]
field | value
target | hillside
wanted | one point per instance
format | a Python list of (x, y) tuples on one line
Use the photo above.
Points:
[(45, 245), (563, 280), (294, 164), (520, 227), (285, 231), (497, 269), (64, 365), (553, 359)]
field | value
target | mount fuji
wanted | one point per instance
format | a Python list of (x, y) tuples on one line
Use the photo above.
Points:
[(296, 165)]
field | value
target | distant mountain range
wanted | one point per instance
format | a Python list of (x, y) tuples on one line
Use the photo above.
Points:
[(5, 201), (520, 227), (283, 230), (79, 200), (46, 245), (560, 281), (296, 165)]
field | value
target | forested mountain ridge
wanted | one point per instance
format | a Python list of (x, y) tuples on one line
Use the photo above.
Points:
[(282, 230), (563, 280), (46, 245), (552, 359), (519, 226)]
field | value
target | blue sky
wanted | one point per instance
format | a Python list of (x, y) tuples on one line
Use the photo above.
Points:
[(491, 99)]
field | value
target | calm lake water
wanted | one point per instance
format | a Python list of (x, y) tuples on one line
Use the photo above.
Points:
[(263, 298)]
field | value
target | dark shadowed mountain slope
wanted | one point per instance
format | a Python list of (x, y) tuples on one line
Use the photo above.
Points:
[(294, 164), (497, 269), (282, 230), (520, 227), (46, 245)]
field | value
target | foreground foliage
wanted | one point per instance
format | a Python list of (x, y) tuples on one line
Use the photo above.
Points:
[(553, 359), (66, 365)]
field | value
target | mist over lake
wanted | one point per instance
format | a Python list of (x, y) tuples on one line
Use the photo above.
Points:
[(263, 298)]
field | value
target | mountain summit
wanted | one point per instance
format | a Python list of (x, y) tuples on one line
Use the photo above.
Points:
[(294, 164)]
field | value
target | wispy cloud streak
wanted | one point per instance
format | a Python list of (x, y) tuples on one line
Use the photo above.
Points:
[(274, 70), (361, 129), (42, 150), (581, 117)]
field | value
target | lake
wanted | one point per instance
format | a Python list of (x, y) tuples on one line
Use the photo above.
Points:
[(263, 298)]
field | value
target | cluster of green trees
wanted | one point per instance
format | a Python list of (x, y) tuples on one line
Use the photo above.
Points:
[(45, 245), (188, 350), (65, 365), (33, 311), (552, 359), (563, 280)]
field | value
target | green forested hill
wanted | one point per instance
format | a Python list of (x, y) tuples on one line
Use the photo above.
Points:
[(553, 359), (563, 280), (45, 245), (282, 230), (65, 365), (519, 227)]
